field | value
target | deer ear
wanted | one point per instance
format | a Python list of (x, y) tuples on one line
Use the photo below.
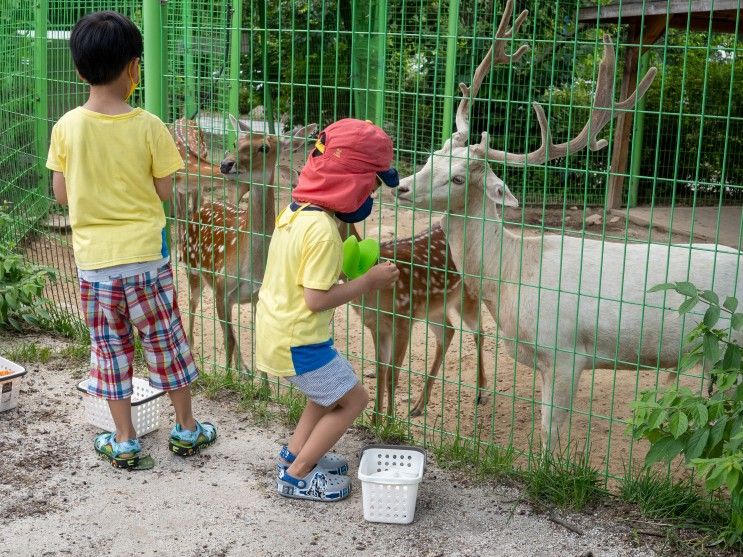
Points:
[(498, 191), (300, 136), (235, 124)]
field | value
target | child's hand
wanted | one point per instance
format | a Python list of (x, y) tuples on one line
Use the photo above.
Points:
[(382, 275)]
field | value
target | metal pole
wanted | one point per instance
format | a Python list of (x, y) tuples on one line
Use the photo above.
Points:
[(233, 102), (152, 14), (191, 107), (451, 67), (41, 96), (267, 99), (380, 59), (637, 137)]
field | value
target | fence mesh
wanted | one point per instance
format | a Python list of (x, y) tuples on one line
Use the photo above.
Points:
[(280, 65)]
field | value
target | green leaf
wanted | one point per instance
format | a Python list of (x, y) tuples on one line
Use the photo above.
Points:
[(733, 477), (716, 478), (712, 316), (711, 297), (731, 304), (716, 433), (678, 424), (696, 444), (711, 348), (663, 286), (687, 289), (664, 449), (702, 415), (732, 358), (737, 321), (688, 305)]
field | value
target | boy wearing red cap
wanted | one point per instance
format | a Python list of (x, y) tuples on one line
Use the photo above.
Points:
[(300, 291)]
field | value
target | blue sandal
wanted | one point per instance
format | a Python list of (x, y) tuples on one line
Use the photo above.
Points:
[(185, 442), (318, 485), (120, 455), (331, 463)]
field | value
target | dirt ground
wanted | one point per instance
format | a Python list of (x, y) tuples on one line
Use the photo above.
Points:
[(58, 498), (510, 414)]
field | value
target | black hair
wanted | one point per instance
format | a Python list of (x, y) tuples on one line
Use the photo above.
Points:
[(102, 44)]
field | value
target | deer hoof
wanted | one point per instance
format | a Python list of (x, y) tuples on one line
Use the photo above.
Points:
[(415, 412), (482, 398)]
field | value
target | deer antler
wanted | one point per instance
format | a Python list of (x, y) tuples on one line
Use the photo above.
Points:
[(496, 55), (601, 114)]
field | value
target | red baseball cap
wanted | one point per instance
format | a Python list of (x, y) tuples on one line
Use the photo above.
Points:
[(341, 173)]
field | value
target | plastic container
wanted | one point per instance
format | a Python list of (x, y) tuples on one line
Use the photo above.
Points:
[(389, 476), (146, 405), (10, 385)]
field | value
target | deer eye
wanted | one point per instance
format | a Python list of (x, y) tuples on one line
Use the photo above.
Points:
[(458, 180)]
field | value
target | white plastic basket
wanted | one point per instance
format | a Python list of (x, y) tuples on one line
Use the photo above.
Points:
[(146, 405), (389, 482), (10, 385)]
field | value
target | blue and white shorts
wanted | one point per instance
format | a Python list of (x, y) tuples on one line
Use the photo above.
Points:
[(328, 384)]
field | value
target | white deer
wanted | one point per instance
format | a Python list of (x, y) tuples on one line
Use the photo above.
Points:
[(563, 304)]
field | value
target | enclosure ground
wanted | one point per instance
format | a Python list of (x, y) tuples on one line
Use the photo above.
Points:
[(57, 498)]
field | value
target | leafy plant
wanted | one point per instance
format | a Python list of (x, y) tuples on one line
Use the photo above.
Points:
[(21, 286), (707, 428)]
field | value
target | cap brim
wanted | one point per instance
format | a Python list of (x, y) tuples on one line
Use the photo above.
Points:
[(389, 177)]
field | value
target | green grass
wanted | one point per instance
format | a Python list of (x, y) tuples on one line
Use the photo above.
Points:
[(386, 429), (76, 353), (564, 480), (31, 353), (486, 461)]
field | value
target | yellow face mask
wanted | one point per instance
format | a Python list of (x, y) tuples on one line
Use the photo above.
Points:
[(133, 85)]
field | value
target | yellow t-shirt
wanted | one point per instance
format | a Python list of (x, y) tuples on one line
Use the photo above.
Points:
[(108, 163), (306, 251)]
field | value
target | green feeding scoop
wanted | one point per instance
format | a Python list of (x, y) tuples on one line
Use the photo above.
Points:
[(359, 257)]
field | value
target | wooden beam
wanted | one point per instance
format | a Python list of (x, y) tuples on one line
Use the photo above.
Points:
[(653, 29), (630, 9)]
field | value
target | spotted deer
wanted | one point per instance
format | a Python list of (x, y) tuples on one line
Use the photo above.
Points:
[(191, 145), (562, 304), (224, 245), (427, 287)]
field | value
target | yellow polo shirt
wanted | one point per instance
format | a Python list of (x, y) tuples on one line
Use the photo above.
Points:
[(109, 163), (306, 251)]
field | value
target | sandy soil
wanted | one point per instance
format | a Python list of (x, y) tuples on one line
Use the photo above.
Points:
[(510, 414), (58, 498)]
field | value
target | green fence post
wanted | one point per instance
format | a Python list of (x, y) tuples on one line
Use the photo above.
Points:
[(191, 105), (42, 100), (451, 67), (380, 54), (267, 99), (154, 17), (637, 137), (233, 101)]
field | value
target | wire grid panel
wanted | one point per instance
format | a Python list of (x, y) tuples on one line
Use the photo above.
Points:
[(283, 65)]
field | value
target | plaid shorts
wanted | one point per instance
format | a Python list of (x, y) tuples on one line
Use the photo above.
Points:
[(112, 310)]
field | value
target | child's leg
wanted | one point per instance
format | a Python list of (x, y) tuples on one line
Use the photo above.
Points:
[(328, 429), (312, 414), (121, 411), (181, 399)]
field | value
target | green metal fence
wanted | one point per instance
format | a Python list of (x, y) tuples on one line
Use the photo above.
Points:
[(286, 64)]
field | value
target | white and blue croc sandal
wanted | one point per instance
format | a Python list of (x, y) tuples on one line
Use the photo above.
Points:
[(120, 455), (331, 463), (318, 485)]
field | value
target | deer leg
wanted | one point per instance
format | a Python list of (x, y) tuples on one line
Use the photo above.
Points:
[(558, 392), (401, 339), (383, 348), (443, 333), (224, 304), (194, 293), (470, 313)]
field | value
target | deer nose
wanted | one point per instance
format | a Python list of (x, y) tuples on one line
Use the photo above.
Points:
[(226, 167), (402, 189), (263, 148)]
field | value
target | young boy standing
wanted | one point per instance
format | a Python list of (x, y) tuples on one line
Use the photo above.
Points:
[(113, 166), (300, 291)]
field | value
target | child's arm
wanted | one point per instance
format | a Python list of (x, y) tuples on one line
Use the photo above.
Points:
[(59, 187), (164, 187), (380, 276)]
